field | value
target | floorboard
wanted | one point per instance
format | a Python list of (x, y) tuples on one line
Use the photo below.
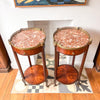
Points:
[(62, 96), (47, 96), (6, 83), (90, 97), (37, 96), (69, 96), (92, 80), (27, 97), (2, 78), (9, 88), (51, 96), (96, 96), (79, 96)]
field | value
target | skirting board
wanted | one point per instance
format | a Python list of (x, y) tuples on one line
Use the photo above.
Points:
[(4, 70)]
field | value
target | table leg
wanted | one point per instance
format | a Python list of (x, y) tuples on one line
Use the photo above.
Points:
[(20, 69), (73, 60), (82, 64), (44, 65), (29, 61), (56, 64), (57, 59)]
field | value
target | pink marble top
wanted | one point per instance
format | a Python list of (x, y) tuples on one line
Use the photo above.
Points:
[(28, 38), (71, 38)]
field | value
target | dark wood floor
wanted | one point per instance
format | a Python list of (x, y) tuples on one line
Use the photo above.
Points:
[(7, 80)]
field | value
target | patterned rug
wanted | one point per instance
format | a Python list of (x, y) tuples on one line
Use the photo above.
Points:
[(84, 85)]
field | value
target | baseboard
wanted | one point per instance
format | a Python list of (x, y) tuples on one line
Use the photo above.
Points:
[(5, 70)]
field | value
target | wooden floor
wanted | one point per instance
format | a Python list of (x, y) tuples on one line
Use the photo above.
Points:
[(7, 80)]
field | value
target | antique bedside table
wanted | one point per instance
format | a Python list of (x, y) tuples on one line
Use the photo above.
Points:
[(29, 42), (70, 41)]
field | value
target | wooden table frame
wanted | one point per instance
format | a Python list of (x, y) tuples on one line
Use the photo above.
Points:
[(28, 53), (73, 53)]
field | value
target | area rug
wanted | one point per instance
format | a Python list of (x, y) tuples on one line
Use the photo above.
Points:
[(83, 87)]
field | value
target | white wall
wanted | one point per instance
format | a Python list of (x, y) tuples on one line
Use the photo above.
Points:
[(87, 17)]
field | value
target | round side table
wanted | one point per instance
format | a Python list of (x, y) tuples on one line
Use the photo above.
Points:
[(68, 74), (35, 74)]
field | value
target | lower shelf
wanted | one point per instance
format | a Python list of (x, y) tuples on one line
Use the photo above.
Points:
[(67, 74), (35, 75)]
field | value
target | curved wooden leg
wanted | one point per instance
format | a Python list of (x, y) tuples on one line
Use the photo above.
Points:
[(20, 69), (44, 66), (56, 65), (82, 64)]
